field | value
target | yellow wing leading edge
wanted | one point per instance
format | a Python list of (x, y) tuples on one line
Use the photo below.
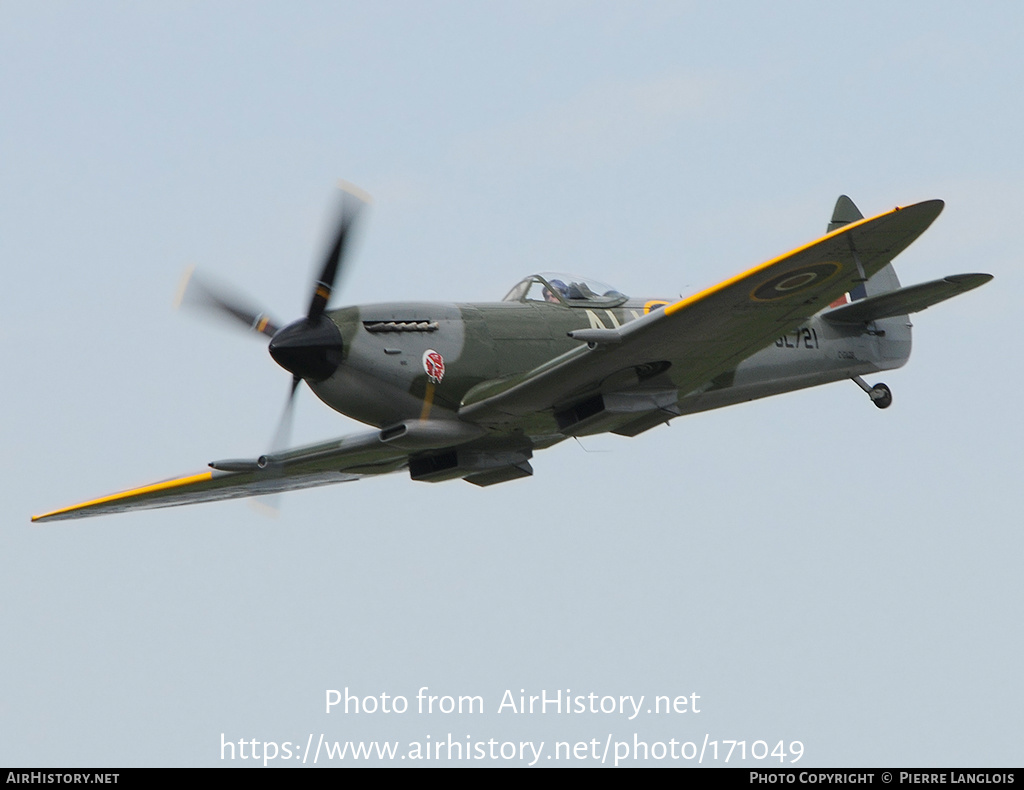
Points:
[(706, 333)]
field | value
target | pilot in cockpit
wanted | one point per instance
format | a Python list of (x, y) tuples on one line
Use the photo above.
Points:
[(557, 289)]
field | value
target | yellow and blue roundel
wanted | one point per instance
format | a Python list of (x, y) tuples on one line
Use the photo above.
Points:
[(795, 281)]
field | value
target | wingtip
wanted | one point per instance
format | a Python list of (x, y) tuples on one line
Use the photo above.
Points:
[(937, 204), (100, 505), (969, 281), (928, 210)]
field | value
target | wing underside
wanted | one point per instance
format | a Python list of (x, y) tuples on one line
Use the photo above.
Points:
[(322, 464), (431, 451)]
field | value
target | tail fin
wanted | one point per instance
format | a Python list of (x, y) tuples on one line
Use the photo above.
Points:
[(882, 282), (844, 213)]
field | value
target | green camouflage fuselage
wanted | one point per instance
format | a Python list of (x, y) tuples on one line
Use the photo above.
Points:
[(383, 379)]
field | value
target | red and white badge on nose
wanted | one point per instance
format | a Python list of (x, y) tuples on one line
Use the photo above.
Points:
[(433, 364)]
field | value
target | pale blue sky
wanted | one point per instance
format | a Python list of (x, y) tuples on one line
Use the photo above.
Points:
[(814, 568)]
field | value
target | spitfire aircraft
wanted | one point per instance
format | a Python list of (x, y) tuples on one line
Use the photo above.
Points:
[(471, 391)]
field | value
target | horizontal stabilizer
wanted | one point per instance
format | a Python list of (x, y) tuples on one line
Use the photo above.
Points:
[(911, 299)]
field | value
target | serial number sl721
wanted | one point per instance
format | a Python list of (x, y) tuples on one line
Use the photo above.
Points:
[(802, 337)]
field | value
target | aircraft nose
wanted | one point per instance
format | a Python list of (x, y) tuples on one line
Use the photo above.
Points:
[(310, 350)]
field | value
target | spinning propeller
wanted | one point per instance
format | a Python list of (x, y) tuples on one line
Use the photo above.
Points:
[(310, 348)]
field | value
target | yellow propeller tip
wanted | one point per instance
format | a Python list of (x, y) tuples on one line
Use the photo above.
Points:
[(356, 192), (183, 286)]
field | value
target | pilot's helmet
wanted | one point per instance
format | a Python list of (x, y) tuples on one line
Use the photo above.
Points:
[(558, 290)]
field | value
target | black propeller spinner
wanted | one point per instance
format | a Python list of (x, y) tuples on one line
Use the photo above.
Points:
[(311, 348), (307, 349)]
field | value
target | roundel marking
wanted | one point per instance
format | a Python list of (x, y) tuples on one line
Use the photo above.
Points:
[(433, 364), (795, 281)]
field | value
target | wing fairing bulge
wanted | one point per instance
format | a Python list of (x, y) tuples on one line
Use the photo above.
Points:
[(471, 391)]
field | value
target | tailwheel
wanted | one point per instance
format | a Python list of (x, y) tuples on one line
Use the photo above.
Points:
[(881, 396)]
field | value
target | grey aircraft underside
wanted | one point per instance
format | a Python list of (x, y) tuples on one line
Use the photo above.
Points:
[(471, 391)]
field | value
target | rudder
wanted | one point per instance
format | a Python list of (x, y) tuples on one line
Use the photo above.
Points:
[(884, 281)]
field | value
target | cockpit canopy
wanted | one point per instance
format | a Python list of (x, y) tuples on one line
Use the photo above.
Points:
[(566, 289)]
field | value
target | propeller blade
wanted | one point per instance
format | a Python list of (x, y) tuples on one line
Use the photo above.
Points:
[(310, 348), (283, 434), (352, 202), (194, 292), (270, 504)]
